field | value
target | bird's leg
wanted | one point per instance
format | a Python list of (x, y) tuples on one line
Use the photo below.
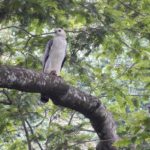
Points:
[(59, 77), (53, 72)]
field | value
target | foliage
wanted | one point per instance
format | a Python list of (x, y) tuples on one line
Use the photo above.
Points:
[(108, 56)]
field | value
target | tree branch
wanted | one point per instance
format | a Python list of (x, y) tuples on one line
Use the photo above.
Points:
[(64, 95)]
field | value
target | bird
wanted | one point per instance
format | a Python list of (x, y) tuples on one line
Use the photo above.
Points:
[(54, 56)]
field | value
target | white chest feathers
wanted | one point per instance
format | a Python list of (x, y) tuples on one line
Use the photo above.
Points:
[(57, 54)]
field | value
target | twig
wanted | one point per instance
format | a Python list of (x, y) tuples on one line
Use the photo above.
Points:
[(5, 102), (71, 118), (25, 129), (27, 32), (8, 98), (131, 8), (32, 132), (27, 134), (17, 28)]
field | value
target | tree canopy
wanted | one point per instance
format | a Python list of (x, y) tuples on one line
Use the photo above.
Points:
[(108, 56)]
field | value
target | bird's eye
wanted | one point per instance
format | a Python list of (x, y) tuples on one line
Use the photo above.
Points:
[(59, 30)]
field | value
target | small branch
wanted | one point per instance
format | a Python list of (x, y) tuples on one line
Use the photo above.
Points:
[(32, 132), (5, 102), (27, 42), (38, 124), (52, 117), (19, 29), (7, 95), (27, 32), (131, 8), (126, 70), (71, 118), (26, 133), (25, 128)]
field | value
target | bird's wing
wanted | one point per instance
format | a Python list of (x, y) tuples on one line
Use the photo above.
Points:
[(47, 50), (65, 58)]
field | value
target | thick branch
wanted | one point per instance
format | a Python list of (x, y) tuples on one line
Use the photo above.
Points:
[(64, 95)]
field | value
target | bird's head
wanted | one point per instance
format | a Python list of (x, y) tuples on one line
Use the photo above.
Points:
[(60, 32)]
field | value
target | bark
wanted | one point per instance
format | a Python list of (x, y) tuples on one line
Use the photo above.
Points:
[(65, 95)]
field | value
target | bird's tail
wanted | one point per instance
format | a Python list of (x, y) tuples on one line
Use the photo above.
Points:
[(44, 98)]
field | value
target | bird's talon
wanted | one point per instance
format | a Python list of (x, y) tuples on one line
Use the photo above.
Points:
[(53, 73), (59, 76)]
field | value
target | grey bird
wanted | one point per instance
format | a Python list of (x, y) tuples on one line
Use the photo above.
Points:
[(54, 56)]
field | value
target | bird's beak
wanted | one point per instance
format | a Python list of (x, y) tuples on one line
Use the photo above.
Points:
[(53, 32)]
